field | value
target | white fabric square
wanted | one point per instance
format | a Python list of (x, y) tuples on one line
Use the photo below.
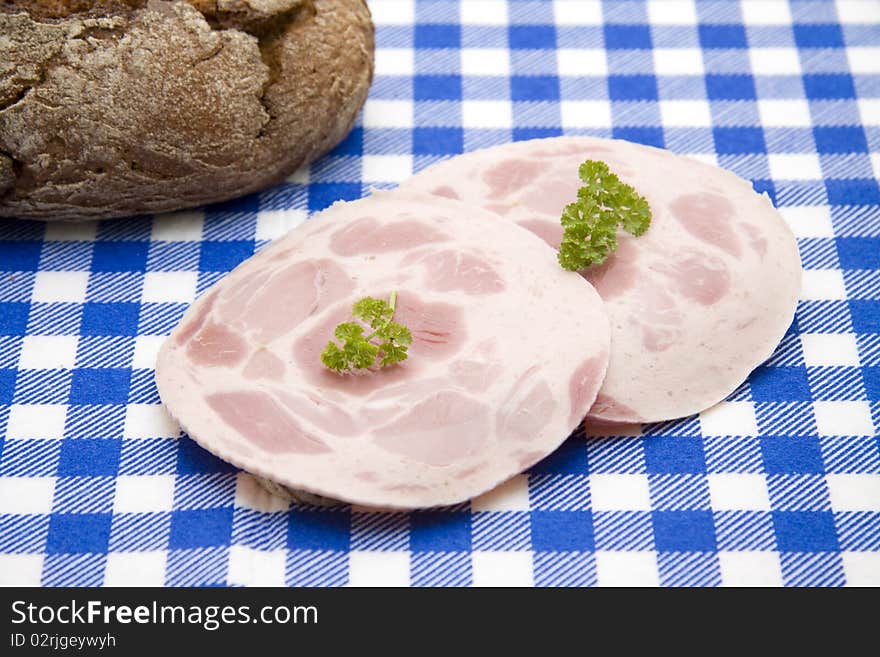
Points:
[(26, 494), (785, 113), (765, 12), (863, 60), (185, 226), (149, 421), (858, 11), (566, 12), (775, 61), (170, 286), (48, 352), (672, 12), (738, 492), (860, 568), (393, 12), (706, 158), (146, 350), (485, 61), (55, 286), (854, 492), (750, 568), (830, 349), (135, 568), (386, 168), (808, 220), (486, 114), (36, 421), (730, 419), (626, 568), (249, 494), (143, 493), (512, 495), (508, 569), (613, 492), (580, 62), (822, 284), (843, 418), (694, 113), (394, 61), (869, 109), (388, 114), (250, 567), (795, 166), (71, 231), (875, 163), (21, 569), (303, 175), (484, 12), (585, 113), (272, 224), (385, 568), (678, 61)]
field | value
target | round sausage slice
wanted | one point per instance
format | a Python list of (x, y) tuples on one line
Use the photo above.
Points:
[(696, 303), (508, 354)]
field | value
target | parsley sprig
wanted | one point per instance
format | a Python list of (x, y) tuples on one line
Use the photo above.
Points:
[(388, 341), (591, 222)]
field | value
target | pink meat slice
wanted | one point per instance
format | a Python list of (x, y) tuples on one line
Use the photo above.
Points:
[(695, 304), (500, 372)]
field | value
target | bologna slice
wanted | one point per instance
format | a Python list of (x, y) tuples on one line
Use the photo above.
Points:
[(508, 355), (695, 304)]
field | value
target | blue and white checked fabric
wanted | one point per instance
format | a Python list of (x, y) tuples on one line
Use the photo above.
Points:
[(780, 485)]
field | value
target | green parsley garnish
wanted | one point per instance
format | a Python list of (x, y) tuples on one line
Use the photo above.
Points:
[(590, 223), (359, 351)]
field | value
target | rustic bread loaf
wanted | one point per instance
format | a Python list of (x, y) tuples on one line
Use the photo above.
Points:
[(123, 107)]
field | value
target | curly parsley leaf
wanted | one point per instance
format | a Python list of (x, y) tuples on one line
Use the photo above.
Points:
[(389, 340), (590, 222)]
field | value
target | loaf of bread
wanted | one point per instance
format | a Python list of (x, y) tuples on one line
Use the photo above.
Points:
[(123, 107)]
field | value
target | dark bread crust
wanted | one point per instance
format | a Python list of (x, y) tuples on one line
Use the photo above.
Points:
[(155, 106)]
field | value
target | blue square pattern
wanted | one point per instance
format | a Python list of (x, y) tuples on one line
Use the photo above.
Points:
[(780, 384), (791, 455), (674, 454), (13, 318), (722, 36), (120, 256), (437, 36), (840, 139), (627, 37), (118, 318), (739, 141), (684, 531), (818, 36), (632, 87), (100, 386), (200, 528), (829, 86), (562, 531), (668, 493), (72, 533), (534, 87), (19, 255), (91, 457), (531, 37), (730, 87), (440, 531)]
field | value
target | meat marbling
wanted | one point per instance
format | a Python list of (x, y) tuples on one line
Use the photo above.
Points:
[(500, 371), (695, 304)]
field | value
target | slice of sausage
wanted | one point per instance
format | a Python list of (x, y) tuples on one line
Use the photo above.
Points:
[(508, 355), (696, 303)]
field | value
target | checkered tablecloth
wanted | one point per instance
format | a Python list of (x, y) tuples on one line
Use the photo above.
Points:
[(778, 485)]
